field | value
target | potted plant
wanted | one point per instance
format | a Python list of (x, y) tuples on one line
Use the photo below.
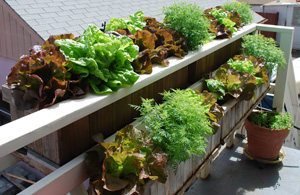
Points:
[(266, 131)]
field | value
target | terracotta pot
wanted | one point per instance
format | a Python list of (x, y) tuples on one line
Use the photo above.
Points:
[(263, 142)]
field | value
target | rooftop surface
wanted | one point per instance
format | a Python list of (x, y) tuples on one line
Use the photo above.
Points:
[(270, 2), (284, 2), (234, 173), (257, 2), (53, 17)]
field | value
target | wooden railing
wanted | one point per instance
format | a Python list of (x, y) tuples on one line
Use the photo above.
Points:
[(69, 177)]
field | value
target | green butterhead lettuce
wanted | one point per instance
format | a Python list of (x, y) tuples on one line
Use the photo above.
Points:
[(132, 23), (102, 60)]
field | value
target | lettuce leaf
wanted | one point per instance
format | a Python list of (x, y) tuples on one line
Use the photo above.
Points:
[(238, 77), (215, 112), (41, 79), (241, 65), (129, 162), (223, 23), (134, 23), (238, 84), (101, 60), (216, 87), (252, 65), (156, 43)]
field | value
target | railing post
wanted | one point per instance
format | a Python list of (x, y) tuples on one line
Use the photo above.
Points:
[(286, 42)]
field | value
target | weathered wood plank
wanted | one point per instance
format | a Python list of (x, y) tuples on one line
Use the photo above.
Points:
[(74, 167), (7, 161), (21, 41), (13, 181), (37, 162), (8, 34), (3, 51), (230, 140), (206, 170), (73, 140), (196, 163), (153, 189), (216, 137), (161, 189), (172, 181), (14, 36)]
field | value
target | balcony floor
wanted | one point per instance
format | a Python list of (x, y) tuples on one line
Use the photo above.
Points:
[(233, 173)]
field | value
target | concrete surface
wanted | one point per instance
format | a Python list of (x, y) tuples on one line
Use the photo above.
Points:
[(233, 173)]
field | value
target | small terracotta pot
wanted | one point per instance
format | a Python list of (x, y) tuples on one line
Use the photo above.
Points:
[(264, 142)]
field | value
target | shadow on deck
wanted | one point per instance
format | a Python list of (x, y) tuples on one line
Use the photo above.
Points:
[(234, 173)]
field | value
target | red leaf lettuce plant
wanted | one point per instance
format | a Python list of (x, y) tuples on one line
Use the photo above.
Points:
[(41, 79), (238, 77), (156, 43), (223, 23), (129, 162)]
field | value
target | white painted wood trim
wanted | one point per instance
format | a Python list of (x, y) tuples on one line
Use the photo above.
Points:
[(292, 105), (7, 161), (286, 40), (72, 174), (27, 129), (46, 121)]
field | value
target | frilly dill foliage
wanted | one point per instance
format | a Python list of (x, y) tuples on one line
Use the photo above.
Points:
[(189, 19), (178, 125), (260, 46), (242, 8)]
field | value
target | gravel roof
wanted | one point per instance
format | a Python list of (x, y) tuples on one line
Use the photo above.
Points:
[(53, 17)]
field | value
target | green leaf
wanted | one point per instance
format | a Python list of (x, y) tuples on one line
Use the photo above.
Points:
[(178, 125), (42, 79), (134, 23), (259, 46), (101, 60), (222, 24), (241, 65), (238, 84), (131, 160), (156, 43), (242, 8), (190, 21), (217, 87), (272, 119)]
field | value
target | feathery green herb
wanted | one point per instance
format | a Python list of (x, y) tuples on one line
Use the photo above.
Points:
[(242, 8), (189, 19), (178, 125), (260, 46)]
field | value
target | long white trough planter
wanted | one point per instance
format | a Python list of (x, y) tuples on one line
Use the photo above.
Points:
[(235, 112)]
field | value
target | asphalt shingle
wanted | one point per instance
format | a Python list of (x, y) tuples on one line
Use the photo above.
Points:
[(64, 16)]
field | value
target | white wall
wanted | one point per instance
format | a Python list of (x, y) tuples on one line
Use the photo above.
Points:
[(285, 19), (257, 8), (5, 66)]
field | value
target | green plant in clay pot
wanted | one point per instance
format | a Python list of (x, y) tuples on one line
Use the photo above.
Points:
[(266, 131)]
